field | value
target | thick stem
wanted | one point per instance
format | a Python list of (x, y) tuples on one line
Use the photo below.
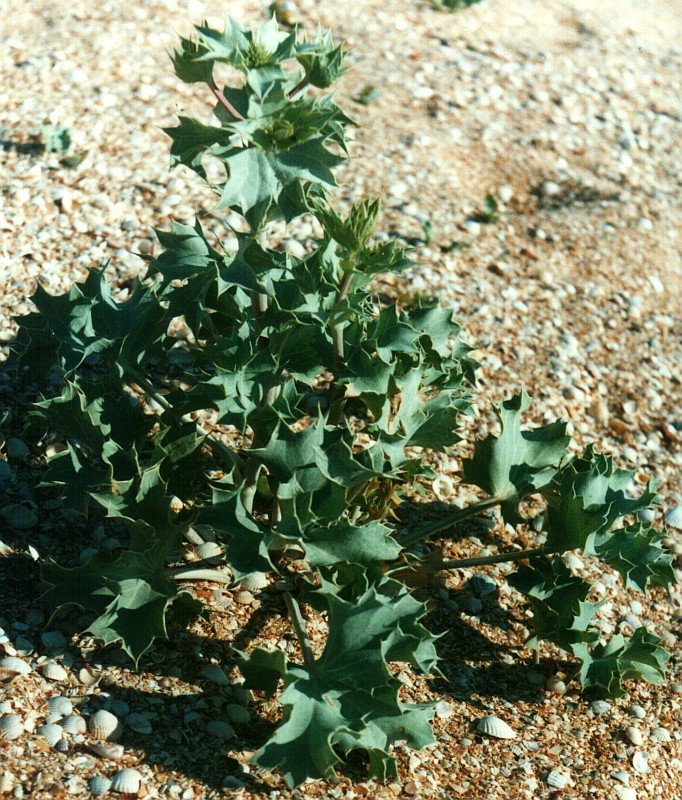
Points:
[(300, 86), (431, 528), (224, 102), (250, 483), (204, 575), (499, 558), (335, 394), (298, 625), (194, 565)]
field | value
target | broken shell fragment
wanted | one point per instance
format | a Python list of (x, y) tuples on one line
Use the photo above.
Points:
[(496, 727), (625, 793), (558, 780), (108, 750)]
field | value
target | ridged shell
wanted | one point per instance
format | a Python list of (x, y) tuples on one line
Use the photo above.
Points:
[(88, 677), (600, 706), (108, 750), (640, 761), (99, 785), (51, 733), (11, 727), (103, 725), (219, 729), (210, 550), (51, 719), (558, 780), (238, 714), (139, 723), (634, 735), (625, 793), (60, 705), (637, 711), (74, 724), (673, 516), (622, 776), (254, 582), (660, 735), (126, 781), (10, 667), (556, 685), (494, 726), (646, 514), (54, 672)]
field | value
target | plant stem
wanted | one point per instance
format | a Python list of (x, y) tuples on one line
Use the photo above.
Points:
[(431, 528), (499, 558), (224, 102), (300, 629), (298, 88), (203, 575)]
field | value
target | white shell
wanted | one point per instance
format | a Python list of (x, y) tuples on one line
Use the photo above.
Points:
[(107, 750), (60, 705), (88, 677), (104, 725), (444, 710), (634, 735), (6, 782), (254, 582), (74, 724), (219, 729), (646, 514), (640, 761), (99, 785), (443, 487), (51, 733), (673, 516), (660, 735), (558, 780), (622, 776), (54, 672), (556, 685), (483, 585), (600, 706), (637, 711), (11, 727), (625, 793), (139, 723), (127, 781), (11, 667), (210, 550), (494, 726)]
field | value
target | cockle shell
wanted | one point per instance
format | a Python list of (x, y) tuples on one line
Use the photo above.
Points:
[(99, 785), (622, 776), (558, 780), (254, 582), (673, 516), (210, 550), (238, 714), (103, 725), (126, 781), (215, 674), (219, 729), (640, 761), (11, 667), (494, 726), (556, 685), (634, 735), (637, 711), (600, 706), (11, 727), (139, 723), (660, 735), (60, 705), (108, 750), (74, 724), (625, 793), (51, 733), (443, 487), (54, 672)]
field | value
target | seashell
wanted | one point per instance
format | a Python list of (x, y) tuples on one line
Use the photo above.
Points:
[(444, 710), (244, 696), (11, 727), (221, 730), (109, 750), (517, 750), (554, 684), (103, 725), (21, 517), (16, 448), (625, 793), (55, 640), (673, 516), (558, 780), (443, 487), (139, 723), (210, 550), (74, 724), (600, 706), (11, 667), (214, 674), (634, 735), (254, 582), (646, 515), (637, 711), (88, 677), (483, 584), (660, 735), (126, 781), (51, 733), (60, 705), (118, 707), (51, 719), (496, 727), (640, 761), (238, 714), (99, 785), (6, 782), (54, 672), (622, 776)]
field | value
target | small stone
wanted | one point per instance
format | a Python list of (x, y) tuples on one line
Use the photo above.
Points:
[(505, 193), (16, 449), (550, 189)]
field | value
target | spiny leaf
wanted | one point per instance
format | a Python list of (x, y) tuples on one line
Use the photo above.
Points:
[(635, 552)]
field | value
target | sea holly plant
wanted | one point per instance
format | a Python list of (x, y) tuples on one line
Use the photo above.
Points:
[(271, 405)]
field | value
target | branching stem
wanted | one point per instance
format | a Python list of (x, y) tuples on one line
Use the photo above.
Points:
[(299, 627), (224, 102), (498, 558), (300, 86), (439, 525)]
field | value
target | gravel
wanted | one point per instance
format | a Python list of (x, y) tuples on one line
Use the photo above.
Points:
[(569, 115)]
